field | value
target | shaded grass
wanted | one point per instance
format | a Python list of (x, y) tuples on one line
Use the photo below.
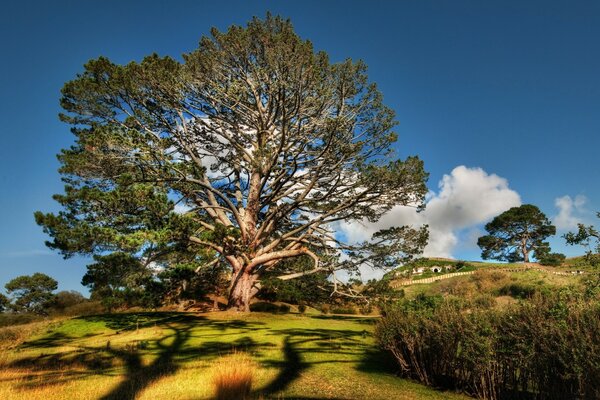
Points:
[(175, 355)]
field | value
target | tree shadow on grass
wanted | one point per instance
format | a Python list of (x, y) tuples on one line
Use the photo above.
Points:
[(302, 349), (139, 376), (168, 352), (343, 346)]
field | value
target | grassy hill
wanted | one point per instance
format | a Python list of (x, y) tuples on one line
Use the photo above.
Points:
[(178, 355)]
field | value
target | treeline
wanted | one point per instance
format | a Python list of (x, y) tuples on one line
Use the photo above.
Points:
[(543, 348)]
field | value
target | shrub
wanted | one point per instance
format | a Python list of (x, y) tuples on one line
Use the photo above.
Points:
[(344, 310), (544, 348), (302, 308), (233, 377), (283, 308), (366, 309), (325, 308), (263, 306), (86, 308), (11, 319), (485, 301), (552, 259)]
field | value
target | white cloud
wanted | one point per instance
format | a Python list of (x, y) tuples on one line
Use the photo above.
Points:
[(570, 211), (467, 197)]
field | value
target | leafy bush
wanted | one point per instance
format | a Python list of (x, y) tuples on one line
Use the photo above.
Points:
[(263, 306), (284, 308), (302, 308), (552, 259), (344, 310), (85, 308), (543, 348)]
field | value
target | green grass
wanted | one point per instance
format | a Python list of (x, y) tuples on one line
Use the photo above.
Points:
[(175, 356), (491, 282)]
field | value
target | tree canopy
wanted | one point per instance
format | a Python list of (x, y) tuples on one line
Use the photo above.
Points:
[(261, 142), (32, 293), (515, 233)]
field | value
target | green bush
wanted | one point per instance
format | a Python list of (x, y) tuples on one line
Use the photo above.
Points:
[(552, 259), (544, 348), (284, 308), (263, 306), (344, 310)]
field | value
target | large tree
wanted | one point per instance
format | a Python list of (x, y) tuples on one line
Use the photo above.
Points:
[(515, 233), (264, 143)]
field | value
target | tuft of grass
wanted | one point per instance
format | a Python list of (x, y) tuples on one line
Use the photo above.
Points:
[(233, 377)]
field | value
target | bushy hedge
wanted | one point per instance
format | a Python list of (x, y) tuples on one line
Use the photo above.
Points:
[(263, 306), (547, 347)]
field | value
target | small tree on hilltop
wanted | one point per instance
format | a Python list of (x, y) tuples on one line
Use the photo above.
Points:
[(515, 233), (32, 293), (265, 142)]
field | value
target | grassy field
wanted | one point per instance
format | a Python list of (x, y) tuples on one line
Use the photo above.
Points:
[(178, 356), (490, 282)]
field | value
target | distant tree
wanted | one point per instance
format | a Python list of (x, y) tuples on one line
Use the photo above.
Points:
[(116, 279), (32, 293), (4, 303), (515, 233), (266, 142), (379, 291), (589, 237), (67, 298)]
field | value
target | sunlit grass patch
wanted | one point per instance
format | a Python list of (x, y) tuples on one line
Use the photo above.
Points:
[(176, 355)]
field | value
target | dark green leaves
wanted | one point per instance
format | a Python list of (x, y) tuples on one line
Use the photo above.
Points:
[(515, 233)]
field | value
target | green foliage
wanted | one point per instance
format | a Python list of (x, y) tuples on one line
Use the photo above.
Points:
[(4, 303), (344, 310), (310, 289), (253, 131), (32, 293), (263, 306), (380, 293), (588, 237), (551, 259), (515, 233), (544, 348)]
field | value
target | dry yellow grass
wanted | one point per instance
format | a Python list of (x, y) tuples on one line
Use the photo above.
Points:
[(233, 376)]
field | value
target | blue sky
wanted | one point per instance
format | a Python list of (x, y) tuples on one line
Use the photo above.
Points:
[(508, 92)]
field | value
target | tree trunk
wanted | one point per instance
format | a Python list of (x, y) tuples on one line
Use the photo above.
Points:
[(524, 250), (241, 291)]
